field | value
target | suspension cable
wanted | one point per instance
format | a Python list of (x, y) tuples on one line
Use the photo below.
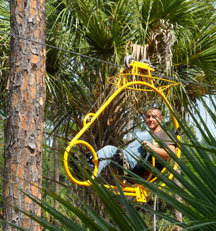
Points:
[(61, 49), (100, 60)]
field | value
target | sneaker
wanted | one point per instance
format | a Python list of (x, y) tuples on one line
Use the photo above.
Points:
[(89, 162), (119, 158)]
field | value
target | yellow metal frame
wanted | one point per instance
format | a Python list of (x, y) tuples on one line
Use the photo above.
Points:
[(141, 71)]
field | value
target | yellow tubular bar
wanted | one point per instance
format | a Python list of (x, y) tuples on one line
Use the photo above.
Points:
[(137, 191), (94, 160)]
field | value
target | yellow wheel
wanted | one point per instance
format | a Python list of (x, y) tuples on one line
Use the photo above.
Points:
[(76, 165)]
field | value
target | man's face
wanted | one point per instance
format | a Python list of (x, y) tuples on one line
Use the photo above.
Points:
[(153, 118)]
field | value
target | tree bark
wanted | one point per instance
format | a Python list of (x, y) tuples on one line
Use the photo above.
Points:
[(24, 130)]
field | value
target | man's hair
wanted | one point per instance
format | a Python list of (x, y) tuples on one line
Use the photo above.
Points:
[(153, 108)]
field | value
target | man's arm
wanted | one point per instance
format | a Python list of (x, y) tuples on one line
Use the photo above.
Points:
[(160, 151)]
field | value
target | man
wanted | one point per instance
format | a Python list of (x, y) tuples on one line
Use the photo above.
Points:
[(135, 150), (153, 119)]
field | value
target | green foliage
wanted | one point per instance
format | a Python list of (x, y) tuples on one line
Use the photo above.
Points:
[(175, 37), (105, 30), (197, 191), (77, 85), (4, 53)]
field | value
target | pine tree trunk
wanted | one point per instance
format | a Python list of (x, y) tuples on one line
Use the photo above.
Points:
[(56, 169), (24, 130)]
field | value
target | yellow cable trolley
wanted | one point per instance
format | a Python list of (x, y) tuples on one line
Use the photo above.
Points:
[(138, 76)]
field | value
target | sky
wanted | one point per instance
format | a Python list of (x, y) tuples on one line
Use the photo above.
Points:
[(206, 117)]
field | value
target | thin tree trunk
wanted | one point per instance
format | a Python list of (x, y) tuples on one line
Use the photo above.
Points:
[(48, 176), (156, 208), (24, 130), (56, 167), (177, 214)]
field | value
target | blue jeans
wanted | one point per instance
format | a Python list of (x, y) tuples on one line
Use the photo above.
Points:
[(133, 152)]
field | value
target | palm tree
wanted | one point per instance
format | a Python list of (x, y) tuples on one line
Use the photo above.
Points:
[(173, 36), (169, 33), (84, 77)]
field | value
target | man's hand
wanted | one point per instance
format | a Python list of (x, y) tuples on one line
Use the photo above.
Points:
[(160, 151), (147, 144)]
